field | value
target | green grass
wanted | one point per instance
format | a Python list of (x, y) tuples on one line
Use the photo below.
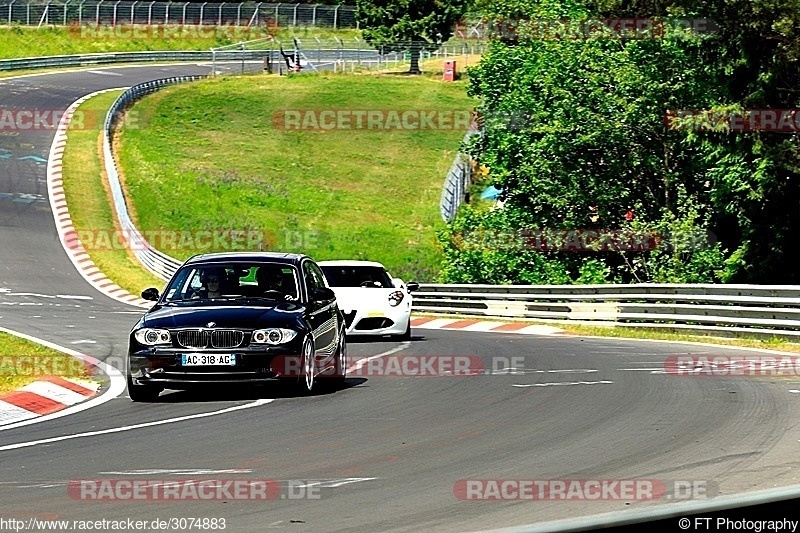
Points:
[(207, 156), (21, 41), (90, 204), (23, 361)]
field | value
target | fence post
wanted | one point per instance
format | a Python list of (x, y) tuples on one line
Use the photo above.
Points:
[(336, 16), (9, 11), (294, 16), (314, 16), (239, 15)]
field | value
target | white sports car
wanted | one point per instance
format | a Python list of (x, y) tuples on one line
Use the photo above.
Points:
[(373, 303)]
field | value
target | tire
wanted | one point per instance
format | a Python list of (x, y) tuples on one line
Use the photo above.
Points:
[(142, 393), (341, 362), (307, 383)]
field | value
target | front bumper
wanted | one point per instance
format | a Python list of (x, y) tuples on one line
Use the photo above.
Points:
[(163, 366), (386, 321)]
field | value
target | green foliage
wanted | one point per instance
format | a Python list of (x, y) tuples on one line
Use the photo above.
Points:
[(396, 25), (575, 135)]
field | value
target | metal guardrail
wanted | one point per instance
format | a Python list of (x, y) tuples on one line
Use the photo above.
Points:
[(457, 181), (81, 60), (772, 310), (156, 262), (117, 12), (321, 52)]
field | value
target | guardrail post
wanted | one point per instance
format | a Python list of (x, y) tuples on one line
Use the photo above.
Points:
[(255, 15)]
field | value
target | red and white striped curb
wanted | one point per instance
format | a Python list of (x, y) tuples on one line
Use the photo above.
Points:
[(477, 324), (66, 231), (43, 397)]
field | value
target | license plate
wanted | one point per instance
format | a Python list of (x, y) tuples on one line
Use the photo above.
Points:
[(373, 314), (208, 359)]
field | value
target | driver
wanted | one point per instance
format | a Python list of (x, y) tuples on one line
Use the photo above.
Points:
[(272, 278)]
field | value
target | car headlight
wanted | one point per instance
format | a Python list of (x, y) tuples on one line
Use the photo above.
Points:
[(151, 337), (395, 298), (273, 336)]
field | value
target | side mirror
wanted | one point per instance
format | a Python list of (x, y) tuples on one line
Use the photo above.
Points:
[(150, 294), (322, 293), (412, 286)]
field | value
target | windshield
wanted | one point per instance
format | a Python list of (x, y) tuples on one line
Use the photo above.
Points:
[(356, 276), (218, 281)]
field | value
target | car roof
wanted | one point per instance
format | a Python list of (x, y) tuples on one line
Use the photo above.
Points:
[(344, 262), (233, 257)]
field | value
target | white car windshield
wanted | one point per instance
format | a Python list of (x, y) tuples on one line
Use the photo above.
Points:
[(356, 276)]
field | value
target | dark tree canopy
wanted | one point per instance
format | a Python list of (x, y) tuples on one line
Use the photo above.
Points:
[(413, 25), (593, 143)]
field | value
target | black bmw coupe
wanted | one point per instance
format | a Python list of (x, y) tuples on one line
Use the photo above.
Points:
[(239, 317)]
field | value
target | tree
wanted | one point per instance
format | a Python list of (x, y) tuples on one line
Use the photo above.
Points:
[(414, 25)]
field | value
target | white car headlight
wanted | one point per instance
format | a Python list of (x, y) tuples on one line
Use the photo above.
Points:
[(395, 298), (273, 336), (152, 337)]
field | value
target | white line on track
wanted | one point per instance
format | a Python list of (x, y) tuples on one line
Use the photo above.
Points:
[(103, 72), (121, 429), (556, 384), (361, 362)]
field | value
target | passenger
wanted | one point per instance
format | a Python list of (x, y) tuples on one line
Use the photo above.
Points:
[(212, 283)]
